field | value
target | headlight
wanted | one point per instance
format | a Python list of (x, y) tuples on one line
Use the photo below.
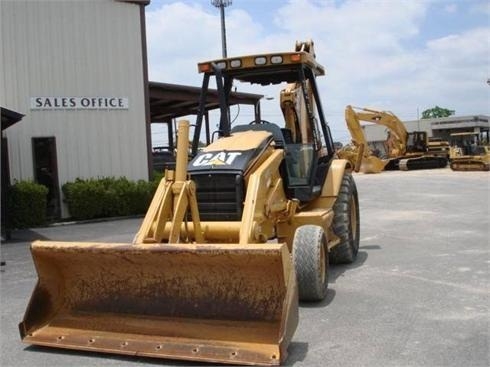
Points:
[(236, 63), (261, 60), (277, 59), (221, 65)]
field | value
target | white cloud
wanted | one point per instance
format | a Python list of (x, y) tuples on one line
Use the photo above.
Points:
[(177, 36), (372, 51), (451, 8), (480, 7)]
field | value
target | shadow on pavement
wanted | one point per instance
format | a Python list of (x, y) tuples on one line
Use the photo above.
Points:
[(338, 270), (118, 358), (24, 235), (370, 247), (297, 353), (324, 303)]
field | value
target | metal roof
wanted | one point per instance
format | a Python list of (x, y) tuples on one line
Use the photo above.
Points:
[(168, 101), (9, 117), (267, 71)]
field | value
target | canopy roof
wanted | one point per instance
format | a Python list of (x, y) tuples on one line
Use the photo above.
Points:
[(10, 117), (168, 101)]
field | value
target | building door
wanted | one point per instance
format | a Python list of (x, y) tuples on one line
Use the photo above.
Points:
[(46, 171)]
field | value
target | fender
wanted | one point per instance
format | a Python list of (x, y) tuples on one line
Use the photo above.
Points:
[(331, 187)]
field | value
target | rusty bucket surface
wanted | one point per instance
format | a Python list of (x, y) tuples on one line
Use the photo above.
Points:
[(218, 303)]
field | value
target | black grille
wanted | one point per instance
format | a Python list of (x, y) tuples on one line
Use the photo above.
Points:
[(219, 196)]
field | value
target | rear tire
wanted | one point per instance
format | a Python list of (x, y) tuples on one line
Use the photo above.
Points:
[(346, 222), (310, 257)]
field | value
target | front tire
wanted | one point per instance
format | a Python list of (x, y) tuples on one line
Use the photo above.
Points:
[(310, 257), (346, 222)]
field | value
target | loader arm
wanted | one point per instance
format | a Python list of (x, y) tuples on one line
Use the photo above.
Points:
[(174, 196)]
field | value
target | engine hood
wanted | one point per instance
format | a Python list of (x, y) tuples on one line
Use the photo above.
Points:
[(234, 153)]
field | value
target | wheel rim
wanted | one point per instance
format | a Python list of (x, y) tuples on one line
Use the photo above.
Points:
[(322, 262), (353, 219)]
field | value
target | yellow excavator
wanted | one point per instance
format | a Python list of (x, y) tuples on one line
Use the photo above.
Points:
[(403, 150), (232, 240), (470, 151), (359, 149)]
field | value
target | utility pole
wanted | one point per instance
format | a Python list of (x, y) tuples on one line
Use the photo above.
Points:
[(418, 119), (222, 4)]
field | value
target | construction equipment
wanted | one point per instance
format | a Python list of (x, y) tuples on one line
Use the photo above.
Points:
[(359, 149), (403, 150), (229, 244), (438, 147), (470, 151)]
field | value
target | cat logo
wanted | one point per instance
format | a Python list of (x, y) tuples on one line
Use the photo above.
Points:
[(216, 159)]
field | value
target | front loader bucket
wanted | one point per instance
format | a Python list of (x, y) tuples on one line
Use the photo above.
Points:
[(217, 303)]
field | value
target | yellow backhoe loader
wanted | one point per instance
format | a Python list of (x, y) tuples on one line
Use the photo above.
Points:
[(230, 243), (403, 150), (359, 149), (470, 151)]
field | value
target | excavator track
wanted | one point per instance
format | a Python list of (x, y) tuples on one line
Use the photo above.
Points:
[(392, 164), (424, 162), (469, 165)]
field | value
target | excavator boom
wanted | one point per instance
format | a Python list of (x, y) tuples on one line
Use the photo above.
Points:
[(397, 140), (360, 155), (404, 150)]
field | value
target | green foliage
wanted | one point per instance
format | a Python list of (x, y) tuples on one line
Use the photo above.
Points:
[(26, 205), (107, 197), (437, 112)]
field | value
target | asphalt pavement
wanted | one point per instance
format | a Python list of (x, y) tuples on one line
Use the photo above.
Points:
[(418, 294)]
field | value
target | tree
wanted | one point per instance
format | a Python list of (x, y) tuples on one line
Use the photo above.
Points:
[(437, 112)]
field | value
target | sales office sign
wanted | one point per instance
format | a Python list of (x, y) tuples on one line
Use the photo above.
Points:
[(79, 103)]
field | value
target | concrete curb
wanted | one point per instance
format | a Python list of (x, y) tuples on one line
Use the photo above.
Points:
[(95, 220)]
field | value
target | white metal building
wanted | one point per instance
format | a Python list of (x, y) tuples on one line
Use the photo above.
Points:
[(77, 70)]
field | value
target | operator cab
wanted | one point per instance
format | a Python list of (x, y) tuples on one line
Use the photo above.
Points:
[(306, 139), (300, 161), (417, 142)]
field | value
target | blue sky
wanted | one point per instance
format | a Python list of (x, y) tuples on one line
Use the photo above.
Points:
[(397, 55)]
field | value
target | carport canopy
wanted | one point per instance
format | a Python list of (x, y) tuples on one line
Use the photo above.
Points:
[(170, 101), (9, 117)]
